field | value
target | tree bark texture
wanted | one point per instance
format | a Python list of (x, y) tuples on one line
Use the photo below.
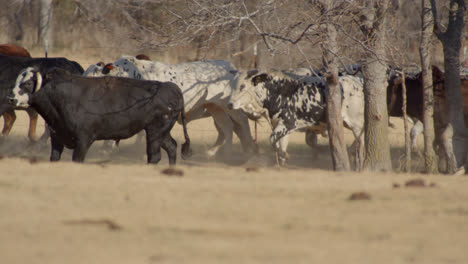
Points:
[(407, 162), (335, 121), (45, 16), (377, 148), (430, 158), (454, 137)]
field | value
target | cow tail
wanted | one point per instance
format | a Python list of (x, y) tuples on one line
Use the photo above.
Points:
[(186, 151)]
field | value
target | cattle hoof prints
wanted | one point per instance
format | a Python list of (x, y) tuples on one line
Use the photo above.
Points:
[(359, 196), (173, 172)]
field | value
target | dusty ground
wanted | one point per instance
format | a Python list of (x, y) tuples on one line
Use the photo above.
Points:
[(117, 209), (241, 209)]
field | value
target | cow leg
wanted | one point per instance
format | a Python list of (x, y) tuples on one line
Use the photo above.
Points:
[(170, 146), (80, 150), (156, 135), (9, 118), (46, 133), (417, 129), (359, 148), (57, 149), (109, 144), (279, 143), (311, 138), (33, 115), (225, 124), (242, 130), (356, 125), (220, 139), (283, 146), (140, 137), (153, 147)]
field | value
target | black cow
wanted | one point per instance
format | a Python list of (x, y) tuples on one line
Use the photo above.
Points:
[(80, 110), (9, 70)]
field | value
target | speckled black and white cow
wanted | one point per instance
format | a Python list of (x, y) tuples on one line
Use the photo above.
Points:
[(291, 104)]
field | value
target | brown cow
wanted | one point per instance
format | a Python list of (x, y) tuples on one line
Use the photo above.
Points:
[(9, 117), (13, 50), (142, 57), (414, 95)]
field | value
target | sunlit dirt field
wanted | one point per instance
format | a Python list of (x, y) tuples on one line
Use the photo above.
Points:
[(115, 208)]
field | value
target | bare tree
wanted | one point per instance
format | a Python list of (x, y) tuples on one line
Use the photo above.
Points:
[(430, 158), (372, 22), (45, 16), (335, 121), (454, 137)]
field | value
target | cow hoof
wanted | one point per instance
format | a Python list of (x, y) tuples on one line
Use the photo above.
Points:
[(281, 158), (186, 151), (311, 139), (282, 162), (212, 151)]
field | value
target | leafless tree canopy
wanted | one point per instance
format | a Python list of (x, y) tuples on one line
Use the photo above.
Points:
[(289, 30)]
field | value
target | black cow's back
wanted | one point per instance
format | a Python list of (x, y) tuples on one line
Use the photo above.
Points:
[(105, 107), (11, 66)]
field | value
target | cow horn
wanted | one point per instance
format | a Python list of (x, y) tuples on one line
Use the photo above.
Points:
[(38, 82)]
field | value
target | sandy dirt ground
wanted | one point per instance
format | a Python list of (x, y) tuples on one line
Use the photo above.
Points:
[(240, 208), (115, 208)]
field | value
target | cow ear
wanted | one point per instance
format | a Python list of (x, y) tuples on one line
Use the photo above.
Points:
[(259, 78), (251, 73), (107, 68), (233, 72)]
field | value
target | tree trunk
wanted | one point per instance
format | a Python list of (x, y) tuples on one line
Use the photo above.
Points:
[(45, 16), (377, 156), (407, 163), (430, 158), (454, 137), (335, 121)]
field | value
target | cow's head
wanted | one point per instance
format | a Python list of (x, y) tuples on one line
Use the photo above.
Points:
[(28, 82), (94, 70), (123, 67), (248, 92)]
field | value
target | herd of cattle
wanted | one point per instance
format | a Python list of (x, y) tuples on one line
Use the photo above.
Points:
[(118, 100)]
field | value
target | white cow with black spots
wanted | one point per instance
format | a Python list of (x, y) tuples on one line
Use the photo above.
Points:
[(206, 86), (291, 104)]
